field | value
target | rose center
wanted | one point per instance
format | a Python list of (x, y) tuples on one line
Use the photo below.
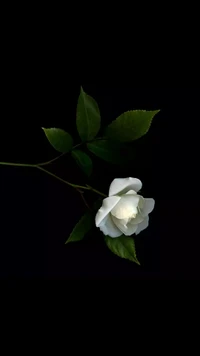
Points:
[(126, 213)]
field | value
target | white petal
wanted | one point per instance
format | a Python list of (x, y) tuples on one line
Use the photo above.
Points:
[(126, 207), (128, 229), (131, 192), (143, 225), (123, 185), (131, 230), (148, 206), (108, 227), (137, 220), (107, 206), (141, 202)]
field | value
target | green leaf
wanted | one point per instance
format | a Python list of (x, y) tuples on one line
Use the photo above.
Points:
[(107, 150), (88, 117), (81, 228), (131, 125), (123, 246), (59, 139), (83, 161)]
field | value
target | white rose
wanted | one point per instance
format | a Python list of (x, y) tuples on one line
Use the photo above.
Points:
[(124, 211)]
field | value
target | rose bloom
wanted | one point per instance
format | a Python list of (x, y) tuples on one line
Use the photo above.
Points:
[(124, 211)]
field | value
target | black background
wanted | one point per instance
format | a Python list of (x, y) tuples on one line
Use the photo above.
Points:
[(38, 212)]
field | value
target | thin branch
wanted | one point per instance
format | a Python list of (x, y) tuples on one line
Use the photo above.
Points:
[(84, 200)]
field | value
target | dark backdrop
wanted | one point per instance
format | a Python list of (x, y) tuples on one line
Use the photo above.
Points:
[(38, 212)]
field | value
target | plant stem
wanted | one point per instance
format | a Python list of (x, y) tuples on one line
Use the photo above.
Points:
[(62, 180), (18, 164), (83, 198), (88, 187), (37, 164), (96, 191), (30, 165)]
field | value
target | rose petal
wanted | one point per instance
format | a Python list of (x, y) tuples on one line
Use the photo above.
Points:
[(141, 202), (144, 224), (126, 207), (108, 227), (137, 220), (123, 185), (131, 192), (107, 205), (128, 229), (148, 206)]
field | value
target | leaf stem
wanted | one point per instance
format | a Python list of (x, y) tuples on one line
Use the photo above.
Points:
[(52, 160)]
